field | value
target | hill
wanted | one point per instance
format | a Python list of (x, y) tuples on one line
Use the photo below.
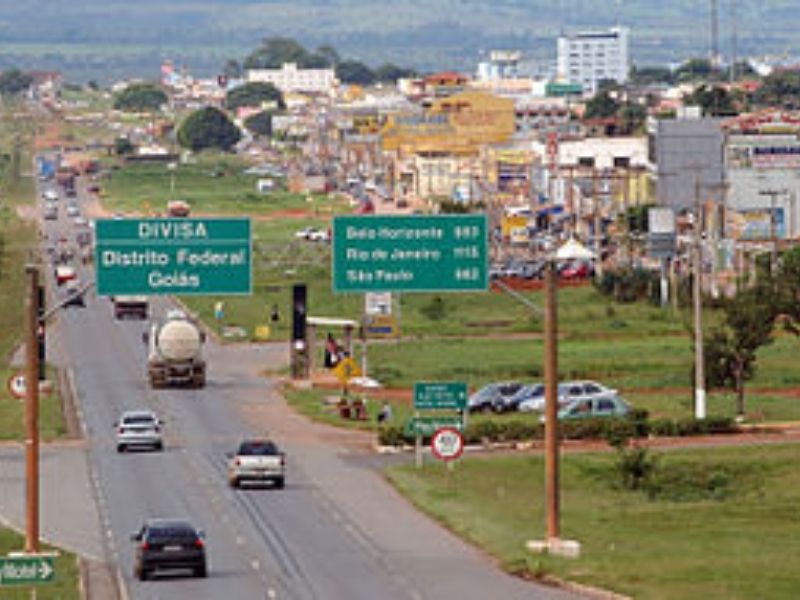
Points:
[(107, 39)]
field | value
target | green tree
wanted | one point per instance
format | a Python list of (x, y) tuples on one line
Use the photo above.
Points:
[(715, 101), (260, 124), (275, 51), (353, 71), (254, 94), (730, 348), (781, 88), (329, 55), (14, 81), (390, 73), (140, 97), (232, 69), (633, 117), (789, 289), (697, 69), (601, 105), (649, 75), (208, 127)]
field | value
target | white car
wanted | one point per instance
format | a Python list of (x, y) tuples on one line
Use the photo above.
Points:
[(139, 429), (312, 234)]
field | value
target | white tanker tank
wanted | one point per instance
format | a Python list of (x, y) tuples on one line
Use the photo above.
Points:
[(175, 352)]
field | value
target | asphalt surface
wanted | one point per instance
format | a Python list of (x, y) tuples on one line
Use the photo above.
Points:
[(337, 531)]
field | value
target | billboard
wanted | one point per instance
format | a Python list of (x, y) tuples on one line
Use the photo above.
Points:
[(756, 224)]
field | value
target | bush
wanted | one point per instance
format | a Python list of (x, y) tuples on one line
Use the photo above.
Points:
[(391, 435), (635, 467), (691, 426)]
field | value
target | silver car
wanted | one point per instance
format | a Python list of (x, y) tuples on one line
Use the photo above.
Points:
[(139, 429), (568, 391)]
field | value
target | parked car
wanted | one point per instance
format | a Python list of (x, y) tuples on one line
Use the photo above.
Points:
[(51, 212), (257, 460), (73, 210), (567, 392), (577, 270), (169, 544), (65, 273), (139, 429), (492, 395), (586, 408)]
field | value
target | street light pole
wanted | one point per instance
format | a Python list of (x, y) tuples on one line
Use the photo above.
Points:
[(697, 301), (32, 412), (551, 402)]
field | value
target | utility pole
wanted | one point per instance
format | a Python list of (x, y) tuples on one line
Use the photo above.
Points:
[(699, 359), (551, 401), (32, 411)]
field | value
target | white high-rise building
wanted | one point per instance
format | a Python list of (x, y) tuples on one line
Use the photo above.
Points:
[(589, 57), (289, 79)]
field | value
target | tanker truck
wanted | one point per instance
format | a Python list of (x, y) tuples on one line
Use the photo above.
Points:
[(175, 352)]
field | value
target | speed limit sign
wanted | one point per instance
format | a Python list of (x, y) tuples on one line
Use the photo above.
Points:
[(447, 443)]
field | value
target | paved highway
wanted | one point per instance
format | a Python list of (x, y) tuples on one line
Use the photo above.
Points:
[(303, 542)]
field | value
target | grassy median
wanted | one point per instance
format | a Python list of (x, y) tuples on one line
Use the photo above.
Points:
[(727, 525), (64, 585)]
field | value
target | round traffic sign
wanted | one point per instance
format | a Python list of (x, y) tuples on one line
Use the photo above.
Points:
[(16, 385), (447, 443)]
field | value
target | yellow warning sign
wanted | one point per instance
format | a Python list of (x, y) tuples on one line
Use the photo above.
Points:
[(346, 370)]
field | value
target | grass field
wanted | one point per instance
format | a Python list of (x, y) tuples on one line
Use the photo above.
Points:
[(64, 586), (214, 184), (734, 534)]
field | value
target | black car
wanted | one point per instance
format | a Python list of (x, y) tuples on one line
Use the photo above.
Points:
[(167, 545)]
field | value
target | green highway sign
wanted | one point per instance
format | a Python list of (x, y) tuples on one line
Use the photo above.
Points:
[(26, 570), (427, 426), (419, 253), (173, 256), (440, 395)]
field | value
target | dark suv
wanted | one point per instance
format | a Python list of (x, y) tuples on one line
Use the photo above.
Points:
[(169, 544)]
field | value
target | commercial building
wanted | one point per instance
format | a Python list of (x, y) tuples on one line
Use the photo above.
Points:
[(502, 64), (590, 57), (762, 161), (687, 156), (289, 78)]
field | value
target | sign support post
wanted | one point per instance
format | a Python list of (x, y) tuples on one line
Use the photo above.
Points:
[(32, 412)]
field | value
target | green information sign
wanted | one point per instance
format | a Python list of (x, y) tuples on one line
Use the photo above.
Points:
[(440, 395), (410, 253), (426, 426), (26, 570), (173, 256)]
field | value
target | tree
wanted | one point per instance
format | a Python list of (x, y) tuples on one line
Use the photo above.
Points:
[(633, 117), (232, 69), (260, 124), (254, 94), (353, 71), (390, 73), (730, 349), (789, 290), (140, 97), (781, 88), (648, 75), (601, 105), (14, 81), (715, 101), (329, 55), (697, 69), (274, 52), (208, 127)]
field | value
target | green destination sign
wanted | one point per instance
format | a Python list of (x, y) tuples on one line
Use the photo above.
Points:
[(26, 570), (440, 395), (410, 253), (427, 426), (173, 256)]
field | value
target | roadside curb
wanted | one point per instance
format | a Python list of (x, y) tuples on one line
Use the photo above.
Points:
[(587, 591)]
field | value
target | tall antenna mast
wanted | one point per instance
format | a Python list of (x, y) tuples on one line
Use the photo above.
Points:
[(714, 57), (734, 41)]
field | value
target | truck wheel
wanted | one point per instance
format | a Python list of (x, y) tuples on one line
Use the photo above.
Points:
[(279, 483), (234, 482), (120, 448), (200, 571)]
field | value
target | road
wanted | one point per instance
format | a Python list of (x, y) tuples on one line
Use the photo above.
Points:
[(337, 531)]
